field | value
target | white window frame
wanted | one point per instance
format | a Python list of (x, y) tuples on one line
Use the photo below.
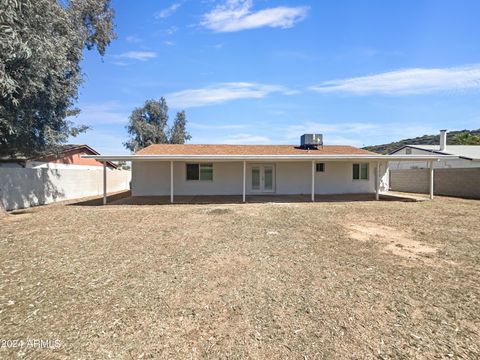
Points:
[(316, 167), (200, 165)]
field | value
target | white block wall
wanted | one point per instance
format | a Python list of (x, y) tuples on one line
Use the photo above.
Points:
[(24, 187), (153, 178)]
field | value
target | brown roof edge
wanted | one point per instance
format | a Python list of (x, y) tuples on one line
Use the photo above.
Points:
[(72, 147), (225, 149)]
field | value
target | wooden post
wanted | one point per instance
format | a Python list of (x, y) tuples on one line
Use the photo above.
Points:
[(104, 183), (244, 179), (313, 180), (171, 182), (377, 181), (431, 179)]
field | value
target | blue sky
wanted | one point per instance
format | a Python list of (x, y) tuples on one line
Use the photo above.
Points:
[(264, 72)]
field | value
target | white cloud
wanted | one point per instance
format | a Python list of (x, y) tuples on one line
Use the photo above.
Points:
[(196, 125), (348, 133), (316, 127), (164, 13), (120, 63), (105, 142), (222, 92), (138, 55), (133, 39), (236, 15), (110, 112), (171, 30), (406, 82), (343, 140), (240, 139)]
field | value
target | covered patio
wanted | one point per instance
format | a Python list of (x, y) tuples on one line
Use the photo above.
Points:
[(238, 174)]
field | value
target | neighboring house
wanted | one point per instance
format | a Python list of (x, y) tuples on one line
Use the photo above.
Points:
[(468, 155), (26, 182), (69, 157), (454, 177), (308, 168)]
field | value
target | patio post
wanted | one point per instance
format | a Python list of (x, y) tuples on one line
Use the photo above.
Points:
[(431, 179), (104, 183), (377, 181), (244, 179), (171, 182), (313, 180)]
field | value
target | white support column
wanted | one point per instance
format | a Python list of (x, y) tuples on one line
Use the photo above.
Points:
[(244, 179), (431, 179), (387, 176), (313, 180), (171, 182), (377, 181), (104, 183)]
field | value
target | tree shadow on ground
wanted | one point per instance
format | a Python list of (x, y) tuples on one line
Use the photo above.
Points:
[(98, 200)]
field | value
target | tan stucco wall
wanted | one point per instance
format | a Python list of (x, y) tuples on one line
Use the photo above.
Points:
[(153, 178), (451, 182)]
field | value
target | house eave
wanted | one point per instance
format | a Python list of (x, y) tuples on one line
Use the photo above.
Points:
[(351, 157)]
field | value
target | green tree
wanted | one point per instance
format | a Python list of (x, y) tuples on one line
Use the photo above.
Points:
[(149, 125), (178, 133), (466, 138), (41, 46)]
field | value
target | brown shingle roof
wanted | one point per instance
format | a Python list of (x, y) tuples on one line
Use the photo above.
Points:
[(214, 149)]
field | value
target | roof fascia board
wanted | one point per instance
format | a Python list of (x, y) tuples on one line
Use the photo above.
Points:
[(269, 157)]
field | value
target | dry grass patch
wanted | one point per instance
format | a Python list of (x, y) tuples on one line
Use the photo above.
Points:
[(396, 241), (307, 280)]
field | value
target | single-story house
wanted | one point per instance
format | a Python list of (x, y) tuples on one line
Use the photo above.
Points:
[(68, 157), (458, 176), (308, 168), (467, 156)]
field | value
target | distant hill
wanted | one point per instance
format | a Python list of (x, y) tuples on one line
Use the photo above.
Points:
[(421, 140)]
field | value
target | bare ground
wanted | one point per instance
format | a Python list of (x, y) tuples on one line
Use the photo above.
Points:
[(326, 280)]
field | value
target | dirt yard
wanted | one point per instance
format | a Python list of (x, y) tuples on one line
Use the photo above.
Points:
[(351, 280)]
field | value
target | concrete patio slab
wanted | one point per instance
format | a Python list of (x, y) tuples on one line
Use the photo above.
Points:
[(237, 199)]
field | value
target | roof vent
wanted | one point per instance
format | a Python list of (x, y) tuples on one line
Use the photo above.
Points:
[(311, 141)]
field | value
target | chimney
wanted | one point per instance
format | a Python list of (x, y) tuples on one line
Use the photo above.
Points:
[(443, 140)]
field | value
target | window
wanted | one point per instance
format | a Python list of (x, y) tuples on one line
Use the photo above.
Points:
[(360, 171), (206, 172), (408, 151), (193, 172), (320, 167), (200, 172)]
